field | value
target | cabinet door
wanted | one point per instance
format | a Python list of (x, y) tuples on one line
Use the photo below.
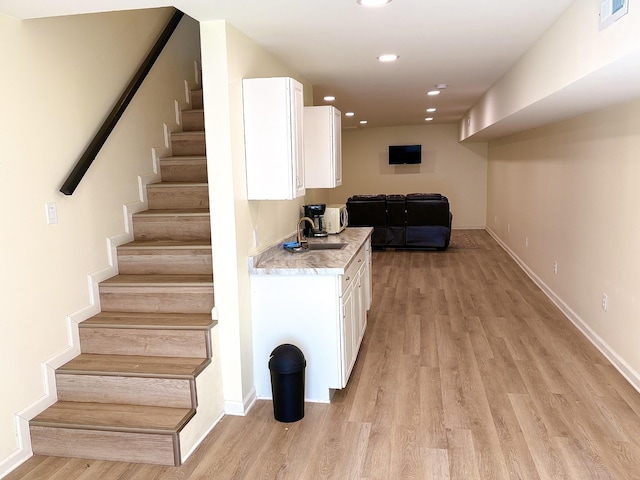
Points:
[(337, 147), (274, 147), (360, 309), (354, 322), (348, 332), (367, 282), (298, 139), (323, 146)]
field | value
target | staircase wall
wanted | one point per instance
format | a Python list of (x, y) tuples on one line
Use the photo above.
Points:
[(228, 56), (63, 76)]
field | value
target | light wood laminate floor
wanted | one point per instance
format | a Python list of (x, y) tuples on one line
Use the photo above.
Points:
[(467, 371)]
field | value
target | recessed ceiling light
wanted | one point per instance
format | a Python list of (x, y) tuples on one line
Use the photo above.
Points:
[(363, 122), (433, 92), (428, 119), (431, 110), (329, 98), (373, 3), (349, 114), (441, 86), (388, 57)]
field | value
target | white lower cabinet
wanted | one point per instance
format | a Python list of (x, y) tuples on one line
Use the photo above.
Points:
[(349, 300), (354, 315), (323, 315)]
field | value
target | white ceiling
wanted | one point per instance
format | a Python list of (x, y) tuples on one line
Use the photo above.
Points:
[(467, 44)]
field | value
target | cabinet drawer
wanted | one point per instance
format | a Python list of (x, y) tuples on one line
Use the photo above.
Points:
[(352, 270)]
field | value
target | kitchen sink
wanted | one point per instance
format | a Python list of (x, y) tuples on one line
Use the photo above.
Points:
[(305, 247), (325, 246)]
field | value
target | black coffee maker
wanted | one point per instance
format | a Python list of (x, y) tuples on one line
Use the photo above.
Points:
[(316, 213)]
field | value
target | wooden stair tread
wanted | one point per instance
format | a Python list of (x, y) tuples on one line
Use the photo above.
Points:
[(134, 366), (144, 320), (184, 158), (114, 417), (197, 133), (177, 184), (194, 212), (143, 280), (167, 244)]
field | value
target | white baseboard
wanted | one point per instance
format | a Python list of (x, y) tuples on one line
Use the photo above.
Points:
[(241, 409), (616, 360), (17, 458)]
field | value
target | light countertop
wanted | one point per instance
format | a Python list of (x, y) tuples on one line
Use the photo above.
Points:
[(275, 260)]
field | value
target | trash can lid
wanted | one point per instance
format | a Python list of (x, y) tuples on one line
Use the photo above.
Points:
[(287, 358)]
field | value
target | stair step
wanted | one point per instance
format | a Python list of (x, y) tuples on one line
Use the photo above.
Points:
[(159, 281), (134, 366), (196, 99), (157, 293), (153, 391), (188, 143), (172, 224), (167, 335), (165, 257), (178, 195), (114, 432), (184, 169), (130, 379), (150, 321), (193, 120)]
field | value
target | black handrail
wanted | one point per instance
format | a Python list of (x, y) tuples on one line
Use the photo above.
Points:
[(109, 124)]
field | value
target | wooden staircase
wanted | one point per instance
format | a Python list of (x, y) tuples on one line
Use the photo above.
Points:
[(134, 388)]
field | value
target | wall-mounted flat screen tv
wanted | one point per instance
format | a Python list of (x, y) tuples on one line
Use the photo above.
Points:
[(405, 154)]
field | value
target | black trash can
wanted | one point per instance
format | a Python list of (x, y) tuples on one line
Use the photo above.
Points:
[(287, 365)]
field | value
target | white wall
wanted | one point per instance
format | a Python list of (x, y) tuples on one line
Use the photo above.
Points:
[(571, 188), (228, 57), (458, 171), (59, 79)]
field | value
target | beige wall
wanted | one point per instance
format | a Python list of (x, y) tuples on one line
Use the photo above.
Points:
[(228, 57), (572, 52), (571, 188), (59, 79), (456, 170)]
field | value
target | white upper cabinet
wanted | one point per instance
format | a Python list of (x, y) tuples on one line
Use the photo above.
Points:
[(322, 147), (273, 136)]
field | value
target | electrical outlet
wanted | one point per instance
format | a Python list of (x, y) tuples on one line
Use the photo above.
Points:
[(256, 239), (508, 227), (605, 302), (555, 267), (526, 241)]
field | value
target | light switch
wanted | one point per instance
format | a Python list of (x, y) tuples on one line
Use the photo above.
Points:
[(52, 213)]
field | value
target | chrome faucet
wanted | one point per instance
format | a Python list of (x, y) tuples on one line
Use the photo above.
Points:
[(299, 231)]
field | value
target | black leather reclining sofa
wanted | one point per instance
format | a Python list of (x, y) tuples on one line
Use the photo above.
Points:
[(413, 221)]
